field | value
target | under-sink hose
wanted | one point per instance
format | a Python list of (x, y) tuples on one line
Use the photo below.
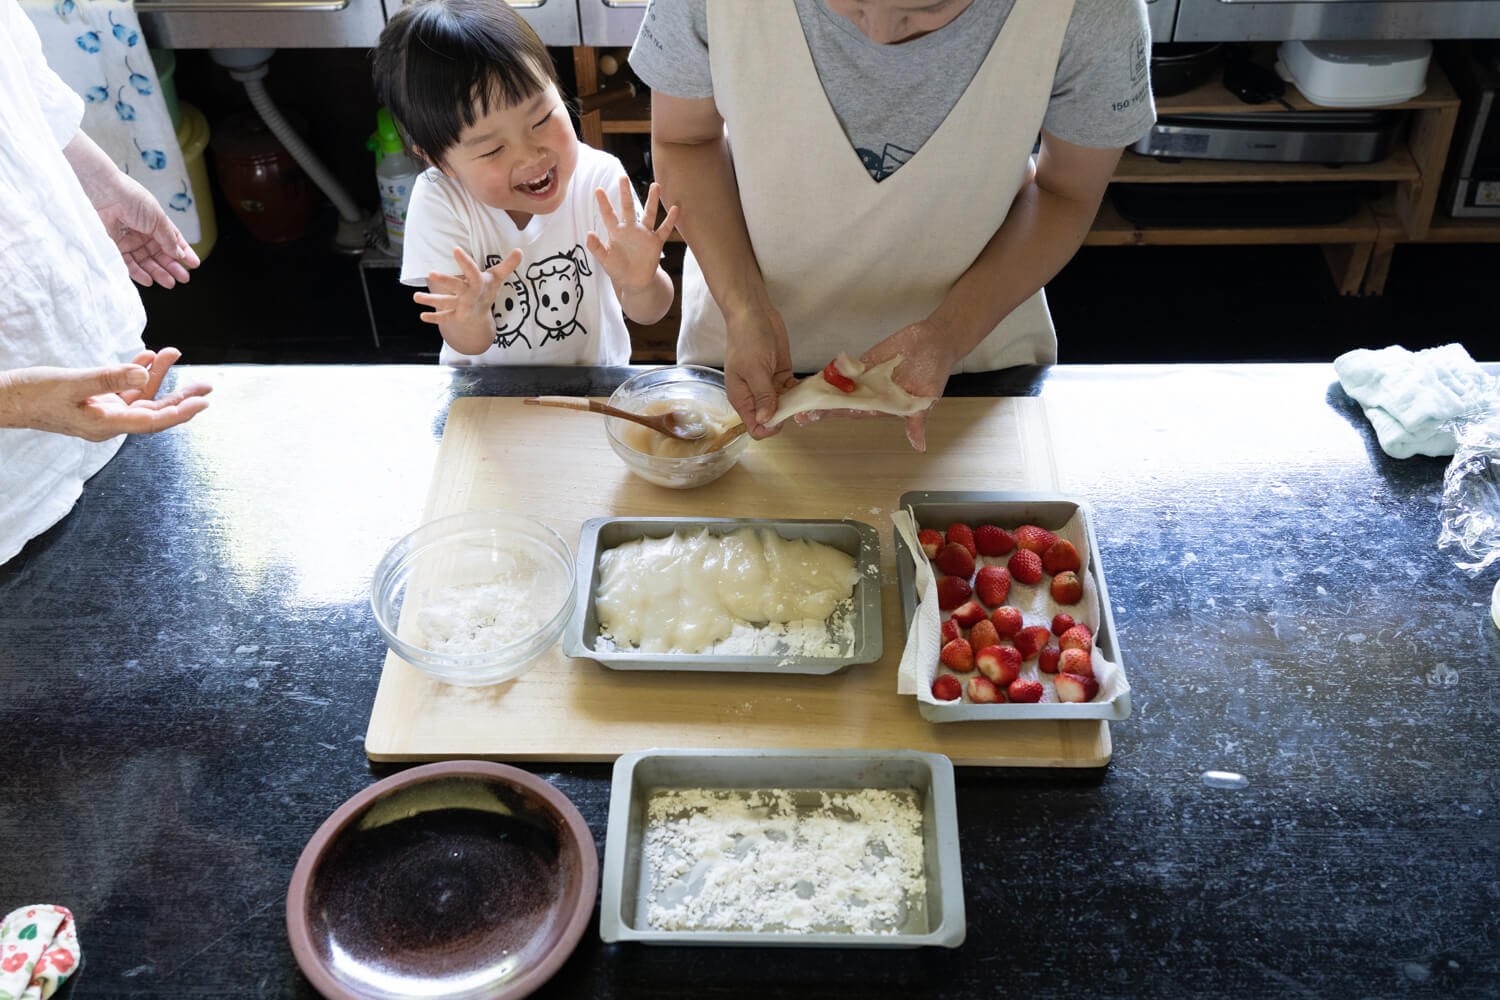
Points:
[(301, 152)]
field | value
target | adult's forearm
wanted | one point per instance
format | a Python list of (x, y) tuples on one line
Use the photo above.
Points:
[(95, 171), (699, 178), (1041, 234)]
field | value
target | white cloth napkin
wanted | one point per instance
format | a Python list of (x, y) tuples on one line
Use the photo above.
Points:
[(926, 628), (97, 48), (1407, 396)]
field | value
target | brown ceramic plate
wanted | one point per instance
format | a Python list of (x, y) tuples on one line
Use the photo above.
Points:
[(449, 881)]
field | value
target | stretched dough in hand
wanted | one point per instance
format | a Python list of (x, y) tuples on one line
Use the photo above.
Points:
[(874, 389)]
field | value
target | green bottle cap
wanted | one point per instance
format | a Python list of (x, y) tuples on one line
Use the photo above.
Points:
[(386, 138)]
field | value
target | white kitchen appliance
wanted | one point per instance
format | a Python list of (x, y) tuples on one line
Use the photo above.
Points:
[(1355, 74)]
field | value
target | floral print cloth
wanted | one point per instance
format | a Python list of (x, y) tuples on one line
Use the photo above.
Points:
[(38, 950), (96, 46)]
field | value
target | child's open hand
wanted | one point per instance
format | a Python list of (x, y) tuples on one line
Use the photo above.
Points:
[(467, 296), (634, 250)]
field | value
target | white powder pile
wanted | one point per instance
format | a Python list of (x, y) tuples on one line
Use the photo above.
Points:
[(479, 617), (788, 861)]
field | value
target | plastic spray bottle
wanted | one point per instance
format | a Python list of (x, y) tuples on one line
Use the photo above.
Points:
[(395, 173)]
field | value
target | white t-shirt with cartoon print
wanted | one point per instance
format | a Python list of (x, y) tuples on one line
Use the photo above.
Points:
[(558, 307)]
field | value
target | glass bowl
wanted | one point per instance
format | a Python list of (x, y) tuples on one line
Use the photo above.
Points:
[(704, 388), (474, 598)]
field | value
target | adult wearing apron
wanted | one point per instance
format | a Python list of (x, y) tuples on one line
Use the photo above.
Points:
[(857, 175), (74, 230)]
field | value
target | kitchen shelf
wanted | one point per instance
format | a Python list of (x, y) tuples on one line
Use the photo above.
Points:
[(1111, 229), (1137, 169)]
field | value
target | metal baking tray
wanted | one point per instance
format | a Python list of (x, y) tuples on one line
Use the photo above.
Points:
[(852, 537), (936, 919), (1048, 510)]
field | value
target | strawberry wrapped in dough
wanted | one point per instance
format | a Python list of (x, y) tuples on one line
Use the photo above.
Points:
[(846, 384)]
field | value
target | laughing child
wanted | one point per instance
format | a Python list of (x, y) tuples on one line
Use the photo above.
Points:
[(510, 229)]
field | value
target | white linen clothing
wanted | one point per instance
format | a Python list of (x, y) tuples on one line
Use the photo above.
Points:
[(849, 260), (68, 300), (558, 307)]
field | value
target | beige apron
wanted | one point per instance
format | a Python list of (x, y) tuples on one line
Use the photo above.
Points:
[(849, 261)]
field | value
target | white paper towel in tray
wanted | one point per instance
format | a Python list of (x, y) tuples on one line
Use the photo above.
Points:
[(1037, 608), (925, 630)]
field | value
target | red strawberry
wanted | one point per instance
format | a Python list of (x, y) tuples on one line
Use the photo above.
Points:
[(950, 630), (1024, 691), (983, 691), (1034, 539), (963, 535), (967, 613), (993, 540), (1026, 566), (1077, 637), (1076, 661), (958, 655), (1001, 664), (1071, 687), (952, 591), (836, 378), (1030, 641), (1046, 659), (1067, 588), (931, 540), (1061, 555), (983, 634), (1061, 623), (955, 560), (1007, 621), (947, 688), (992, 584)]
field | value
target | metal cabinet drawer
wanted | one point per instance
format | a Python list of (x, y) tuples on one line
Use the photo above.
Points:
[(215, 24), (611, 22), (555, 21)]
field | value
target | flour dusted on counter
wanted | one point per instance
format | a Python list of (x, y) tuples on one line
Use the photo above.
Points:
[(748, 591), (778, 860), (479, 617)]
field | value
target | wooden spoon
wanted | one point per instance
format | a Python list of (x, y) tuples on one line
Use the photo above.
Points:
[(725, 436), (671, 423)]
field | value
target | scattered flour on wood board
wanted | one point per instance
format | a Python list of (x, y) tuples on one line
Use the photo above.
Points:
[(781, 860)]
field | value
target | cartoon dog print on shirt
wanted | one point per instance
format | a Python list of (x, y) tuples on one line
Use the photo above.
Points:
[(512, 308), (558, 291)]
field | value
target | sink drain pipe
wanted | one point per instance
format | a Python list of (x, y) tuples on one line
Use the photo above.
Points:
[(250, 66)]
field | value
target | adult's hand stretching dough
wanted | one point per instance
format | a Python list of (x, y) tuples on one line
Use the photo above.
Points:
[(98, 403), (757, 366)]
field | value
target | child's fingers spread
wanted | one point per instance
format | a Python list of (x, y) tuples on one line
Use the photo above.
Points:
[(606, 210), (653, 198), (434, 317), (465, 263), (596, 246), (447, 284), (443, 302), (503, 270), (668, 224), (627, 200)]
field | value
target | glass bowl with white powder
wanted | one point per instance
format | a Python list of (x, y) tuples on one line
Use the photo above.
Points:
[(474, 598)]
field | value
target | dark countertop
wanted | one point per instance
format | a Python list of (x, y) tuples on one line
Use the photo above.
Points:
[(188, 661)]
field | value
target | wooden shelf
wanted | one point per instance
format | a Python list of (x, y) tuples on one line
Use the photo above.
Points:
[(1112, 229), (1210, 97), (1137, 169)]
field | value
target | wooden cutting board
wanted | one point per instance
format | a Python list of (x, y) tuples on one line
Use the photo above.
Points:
[(557, 466)]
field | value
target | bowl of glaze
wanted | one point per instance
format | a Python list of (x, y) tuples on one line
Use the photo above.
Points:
[(451, 881), (662, 460), (474, 598)]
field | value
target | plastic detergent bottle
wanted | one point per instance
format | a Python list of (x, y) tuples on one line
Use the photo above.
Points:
[(395, 173)]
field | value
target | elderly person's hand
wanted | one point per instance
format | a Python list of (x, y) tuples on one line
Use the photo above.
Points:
[(757, 366), (99, 403)]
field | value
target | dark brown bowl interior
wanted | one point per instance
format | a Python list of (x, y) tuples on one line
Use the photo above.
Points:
[(463, 879)]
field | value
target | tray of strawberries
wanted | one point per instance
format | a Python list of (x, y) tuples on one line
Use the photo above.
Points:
[(1026, 626)]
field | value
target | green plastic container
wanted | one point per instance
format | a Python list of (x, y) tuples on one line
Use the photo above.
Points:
[(165, 61)]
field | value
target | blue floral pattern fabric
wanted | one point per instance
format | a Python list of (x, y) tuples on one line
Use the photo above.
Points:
[(97, 48)]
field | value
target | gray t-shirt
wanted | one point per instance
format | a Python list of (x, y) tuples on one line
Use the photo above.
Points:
[(891, 98)]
